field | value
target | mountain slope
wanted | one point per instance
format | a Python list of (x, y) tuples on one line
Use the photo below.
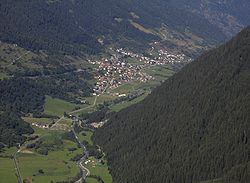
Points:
[(229, 16), (12, 128), (77, 26), (195, 127)]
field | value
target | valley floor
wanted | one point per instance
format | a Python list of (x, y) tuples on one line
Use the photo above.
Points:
[(57, 165), (51, 154)]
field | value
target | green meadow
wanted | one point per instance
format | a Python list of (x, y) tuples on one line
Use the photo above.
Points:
[(86, 136), (97, 168), (118, 107), (7, 168), (56, 166), (56, 107), (91, 180), (7, 171), (37, 168), (39, 120)]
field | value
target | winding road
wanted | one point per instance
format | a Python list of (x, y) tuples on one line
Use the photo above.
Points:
[(84, 171)]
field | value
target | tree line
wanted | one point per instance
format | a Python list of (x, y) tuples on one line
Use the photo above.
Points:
[(194, 127)]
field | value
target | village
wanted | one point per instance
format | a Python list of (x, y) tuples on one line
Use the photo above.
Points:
[(122, 67), (118, 69)]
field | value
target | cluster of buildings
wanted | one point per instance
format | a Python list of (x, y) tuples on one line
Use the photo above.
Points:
[(41, 125), (118, 69), (98, 124), (157, 56), (115, 71)]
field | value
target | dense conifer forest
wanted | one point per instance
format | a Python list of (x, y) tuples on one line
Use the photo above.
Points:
[(74, 27), (194, 127), (12, 127), (21, 96)]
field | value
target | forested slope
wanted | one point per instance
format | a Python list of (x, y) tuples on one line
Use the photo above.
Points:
[(12, 128), (76, 27), (229, 16), (194, 127), (22, 96)]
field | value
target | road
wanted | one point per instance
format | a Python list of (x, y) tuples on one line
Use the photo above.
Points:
[(79, 110), (54, 125), (15, 60), (93, 105), (84, 171), (73, 112), (19, 177)]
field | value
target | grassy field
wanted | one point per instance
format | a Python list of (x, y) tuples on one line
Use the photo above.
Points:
[(51, 137), (96, 168), (7, 171), (94, 101), (85, 110), (37, 130), (160, 72), (91, 180), (16, 59), (57, 107), (66, 121), (99, 99), (124, 105), (39, 120), (8, 152), (56, 166), (99, 169), (86, 137), (40, 131), (103, 98), (125, 88), (7, 168)]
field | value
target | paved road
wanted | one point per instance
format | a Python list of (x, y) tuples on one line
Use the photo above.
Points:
[(79, 110), (54, 125), (19, 177), (84, 171)]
